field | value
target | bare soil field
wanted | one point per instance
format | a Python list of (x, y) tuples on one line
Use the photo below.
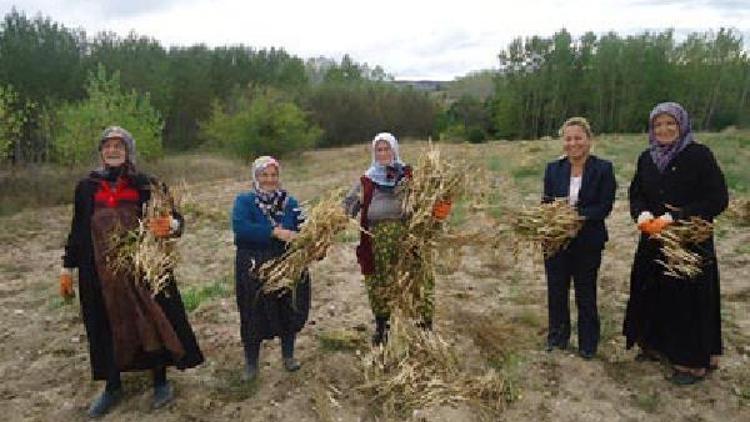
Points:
[(492, 311)]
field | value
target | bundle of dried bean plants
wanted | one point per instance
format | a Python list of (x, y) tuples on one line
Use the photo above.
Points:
[(417, 368), (677, 240), (324, 221), (150, 259), (551, 225)]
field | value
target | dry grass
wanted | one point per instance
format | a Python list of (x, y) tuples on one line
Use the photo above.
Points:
[(676, 240), (739, 210)]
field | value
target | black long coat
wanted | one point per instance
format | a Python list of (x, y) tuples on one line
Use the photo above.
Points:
[(680, 318), (79, 253)]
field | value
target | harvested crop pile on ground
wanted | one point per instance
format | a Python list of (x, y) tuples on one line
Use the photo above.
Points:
[(550, 225), (324, 221), (151, 259), (417, 368), (677, 240)]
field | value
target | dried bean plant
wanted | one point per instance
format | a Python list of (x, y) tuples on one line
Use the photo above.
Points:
[(418, 368), (551, 225), (677, 242), (150, 259), (324, 221)]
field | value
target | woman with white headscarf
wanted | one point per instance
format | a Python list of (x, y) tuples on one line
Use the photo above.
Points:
[(377, 198), (264, 220)]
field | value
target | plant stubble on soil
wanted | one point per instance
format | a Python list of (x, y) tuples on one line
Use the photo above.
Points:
[(492, 313)]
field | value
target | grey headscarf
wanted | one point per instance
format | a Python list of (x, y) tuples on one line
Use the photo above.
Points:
[(663, 154), (118, 132)]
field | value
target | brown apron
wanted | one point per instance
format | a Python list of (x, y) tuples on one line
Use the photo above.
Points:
[(138, 324)]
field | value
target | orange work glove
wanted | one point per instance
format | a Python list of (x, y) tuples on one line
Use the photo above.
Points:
[(66, 285), (654, 226), (442, 209), (160, 226), (659, 224)]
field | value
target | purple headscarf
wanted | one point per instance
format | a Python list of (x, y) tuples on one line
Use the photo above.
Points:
[(663, 154)]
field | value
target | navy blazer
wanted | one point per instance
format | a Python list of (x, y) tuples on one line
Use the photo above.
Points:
[(595, 198)]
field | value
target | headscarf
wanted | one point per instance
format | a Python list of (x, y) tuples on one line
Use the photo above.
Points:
[(663, 154), (128, 167), (385, 175), (272, 203)]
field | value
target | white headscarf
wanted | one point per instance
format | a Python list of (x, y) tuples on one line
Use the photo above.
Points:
[(260, 164), (379, 173)]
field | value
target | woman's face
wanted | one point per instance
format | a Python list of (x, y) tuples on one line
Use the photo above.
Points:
[(383, 153), (576, 143), (666, 129), (114, 152), (268, 178)]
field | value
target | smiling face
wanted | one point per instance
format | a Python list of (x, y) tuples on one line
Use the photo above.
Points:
[(576, 142), (114, 152), (666, 129), (268, 178), (383, 153)]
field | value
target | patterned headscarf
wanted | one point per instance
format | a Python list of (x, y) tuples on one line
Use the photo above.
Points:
[(663, 154), (389, 174), (272, 203)]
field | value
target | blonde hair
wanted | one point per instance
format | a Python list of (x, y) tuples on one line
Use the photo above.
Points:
[(577, 121)]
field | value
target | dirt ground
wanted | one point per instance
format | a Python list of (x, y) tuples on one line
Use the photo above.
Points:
[(493, 312)]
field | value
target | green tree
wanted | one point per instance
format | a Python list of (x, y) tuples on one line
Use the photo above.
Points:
[(77, 126), (259, 122), (11, 121)]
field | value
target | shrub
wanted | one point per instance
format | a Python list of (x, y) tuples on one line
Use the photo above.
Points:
[(77, 127), (261, 122), (11, 120)]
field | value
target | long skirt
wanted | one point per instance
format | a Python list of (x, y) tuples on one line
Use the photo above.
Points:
[(265, 316)]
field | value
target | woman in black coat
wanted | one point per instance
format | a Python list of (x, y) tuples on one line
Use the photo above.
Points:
[(128, 329), (676, 178), (588, 183)]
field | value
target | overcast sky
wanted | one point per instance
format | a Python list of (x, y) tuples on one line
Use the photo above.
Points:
[(411, 39)]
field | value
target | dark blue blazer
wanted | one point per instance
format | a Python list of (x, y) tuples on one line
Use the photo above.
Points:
[(595, 198)]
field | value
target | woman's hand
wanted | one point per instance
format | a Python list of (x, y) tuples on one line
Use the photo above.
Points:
[(160, 226), (283, 234), (442, 209), (66, 284)]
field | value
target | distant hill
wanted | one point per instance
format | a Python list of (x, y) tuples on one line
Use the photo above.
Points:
[(428, 86)]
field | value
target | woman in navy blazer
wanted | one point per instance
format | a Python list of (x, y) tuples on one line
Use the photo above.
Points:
[(588, 183)]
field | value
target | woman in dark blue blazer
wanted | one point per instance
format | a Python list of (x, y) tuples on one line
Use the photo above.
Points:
[(588, 183)]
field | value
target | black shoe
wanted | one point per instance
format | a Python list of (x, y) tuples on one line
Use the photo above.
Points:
[(645, 356), (250, 373), (586, 354), (381, 331), (552, 346), (291, 364), (163, 395), (104, 403), (685, 378)]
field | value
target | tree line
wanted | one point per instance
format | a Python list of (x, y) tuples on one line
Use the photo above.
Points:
[(56, 81), (59, 87), (615, 81)]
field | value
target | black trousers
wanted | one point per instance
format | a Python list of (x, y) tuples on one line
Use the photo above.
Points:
[(581, 264)]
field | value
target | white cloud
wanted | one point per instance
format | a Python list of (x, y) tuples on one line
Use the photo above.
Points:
[(411, 39)]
